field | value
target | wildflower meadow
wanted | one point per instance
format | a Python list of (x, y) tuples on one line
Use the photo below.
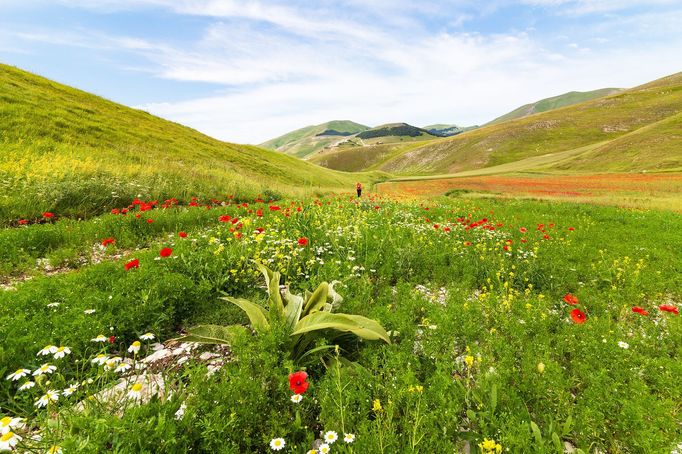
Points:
[(340, 324)]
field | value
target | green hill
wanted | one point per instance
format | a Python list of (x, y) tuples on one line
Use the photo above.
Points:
[(555, 102), (306, 141), (74, 153), (443, 130), (640, 123)]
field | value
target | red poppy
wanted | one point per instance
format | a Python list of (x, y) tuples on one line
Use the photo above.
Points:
[(259, 213), (303, 241), (571, 299), (545, 237), (149, 221), (115, 211), (578, 316), (134, 263), (107, 241), (138, 215), (182, 234), (570, 229), (506, 247), (669, 308), (225, 218), (48, 215), (639, 310), (298, 383), (112, 339), (166, 252), (523, 230), (23, 221), (467, 243)]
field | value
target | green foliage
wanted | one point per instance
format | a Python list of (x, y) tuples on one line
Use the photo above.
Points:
[(302, 317)]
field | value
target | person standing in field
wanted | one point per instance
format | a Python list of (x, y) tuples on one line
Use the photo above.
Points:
[(358, 188)]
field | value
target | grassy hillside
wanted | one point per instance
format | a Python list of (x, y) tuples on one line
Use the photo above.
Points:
[(305, 141), (601, 121), (567, 99), (73, 153)]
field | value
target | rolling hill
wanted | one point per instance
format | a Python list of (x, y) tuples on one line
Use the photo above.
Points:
[(634, 130), (310, 139), (555, 102), (444, 130), (74, 153)]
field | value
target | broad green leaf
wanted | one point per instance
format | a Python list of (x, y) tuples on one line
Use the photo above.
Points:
[(212, 334), (557, 443), (360, 326), (272, 279), (257, 315), (566, 428), (317, 299), (292, 311)]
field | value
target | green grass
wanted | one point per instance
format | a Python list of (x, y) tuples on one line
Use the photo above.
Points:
[(76, 154), (555, 102), (502, 306)]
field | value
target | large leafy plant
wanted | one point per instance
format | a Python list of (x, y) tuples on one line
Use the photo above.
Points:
[(309, 320)]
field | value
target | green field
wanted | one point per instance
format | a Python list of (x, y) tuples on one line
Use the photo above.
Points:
[(162, 291), (67, 151)]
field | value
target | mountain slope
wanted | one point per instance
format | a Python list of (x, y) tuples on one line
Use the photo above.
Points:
[(567, 128), (555, 102), (443, 130), (72, 152), (305, 141)]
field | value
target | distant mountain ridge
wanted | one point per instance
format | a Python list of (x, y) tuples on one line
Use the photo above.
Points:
[(555, 102), (305, 141)]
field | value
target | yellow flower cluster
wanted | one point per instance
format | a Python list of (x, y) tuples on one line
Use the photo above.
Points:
[(489, 446)]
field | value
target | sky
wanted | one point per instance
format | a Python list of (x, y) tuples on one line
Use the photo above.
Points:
[(247, 71)]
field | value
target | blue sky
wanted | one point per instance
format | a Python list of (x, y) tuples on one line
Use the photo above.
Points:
[(247, 71)]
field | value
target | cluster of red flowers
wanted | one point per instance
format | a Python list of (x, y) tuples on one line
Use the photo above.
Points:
[(577, 315)]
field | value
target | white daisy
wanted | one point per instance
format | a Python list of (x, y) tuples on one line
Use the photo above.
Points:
[(89, 311), (324, 448), (53, 305), (624, 345), (47, 350), (330, 436), (20, 373), (296, 398), (123, 367), (135, 391), (349, 438), (134, 348), (70, 390), (100, 359), (312, 451), (99, 338), (112, 362), (61, 352), (8, 441), (49, 396), (277, 444), (44, 369), (147, 336), (8, 423), (27, 385)]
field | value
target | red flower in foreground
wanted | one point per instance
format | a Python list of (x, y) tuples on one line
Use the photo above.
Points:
[(149, 221), (669, 308), (166, 252), (23, 221), (303, 241), (182, 234), (107, 241), (523, 230), (298, 383), (48, 215), (134, 263), (225, 218), (570, 299), (639, 310), (112, 339), (578, 316)]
